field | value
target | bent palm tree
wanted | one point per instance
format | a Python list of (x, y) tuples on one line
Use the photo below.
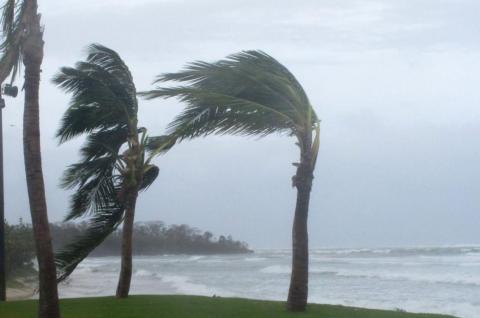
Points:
[(250, 93), (115, 159), (23, 40)]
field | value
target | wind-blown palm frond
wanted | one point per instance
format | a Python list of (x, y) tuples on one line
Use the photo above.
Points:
[(159, 144), (213, 112), (92, 196), (94, 180), (97, 101), (12, 22), (249, 93), (8, 16), (78, 174), (101, 225), (104, 143), (109, 60)]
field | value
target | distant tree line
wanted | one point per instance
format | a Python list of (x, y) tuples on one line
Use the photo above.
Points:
[(154, 238), (150, 238), (20, 249)]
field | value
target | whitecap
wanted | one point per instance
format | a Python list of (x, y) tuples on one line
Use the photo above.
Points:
[(143, 273), (255, 259), (183, 285), (276, 269)]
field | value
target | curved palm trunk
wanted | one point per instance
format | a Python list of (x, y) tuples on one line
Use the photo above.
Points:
[(33, 56), (298, 291), (127, 237)]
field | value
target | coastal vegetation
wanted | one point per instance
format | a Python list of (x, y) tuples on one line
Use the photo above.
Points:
[(149, 238), (154, 238), (202, 307), (20, 251)]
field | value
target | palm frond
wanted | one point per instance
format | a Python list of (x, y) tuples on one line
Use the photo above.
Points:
[(8, 16), (93, 106), (103, 93), (79, 173), (12, 22), (249, 93), (95, 184), (93, 196), (104, 143), (109, 60), (210, 112), (101, 225), (10, 61), (159, 144)]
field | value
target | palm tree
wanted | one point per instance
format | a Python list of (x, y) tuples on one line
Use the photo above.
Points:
[(23, 41), (250, 93), (115, 160)]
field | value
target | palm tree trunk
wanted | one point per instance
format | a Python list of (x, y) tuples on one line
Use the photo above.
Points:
[(3, 274), (298, 291), (127, 237), (33, 56)]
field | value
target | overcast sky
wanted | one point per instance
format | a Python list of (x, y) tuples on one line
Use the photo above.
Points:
[(396, 84)]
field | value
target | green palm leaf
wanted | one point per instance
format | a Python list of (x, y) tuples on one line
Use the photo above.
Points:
[(102, 224), (8, 16), (104, 143), (12, 22), (109, 60), (249, 93), (156, 145), (94, 106)]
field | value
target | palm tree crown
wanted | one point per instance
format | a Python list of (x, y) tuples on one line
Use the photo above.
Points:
[(249, 93)]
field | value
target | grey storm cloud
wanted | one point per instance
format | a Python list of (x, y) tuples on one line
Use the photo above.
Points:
[(395, 83)]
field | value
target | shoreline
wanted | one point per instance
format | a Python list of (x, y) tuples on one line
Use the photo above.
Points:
[(24, 293), (23, 287)]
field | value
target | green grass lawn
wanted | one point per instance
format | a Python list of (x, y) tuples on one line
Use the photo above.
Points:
[(192, 307)]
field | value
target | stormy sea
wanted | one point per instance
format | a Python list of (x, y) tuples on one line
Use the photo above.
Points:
[(427, 279)]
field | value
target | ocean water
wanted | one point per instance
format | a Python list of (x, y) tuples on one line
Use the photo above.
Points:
[(437, 280)]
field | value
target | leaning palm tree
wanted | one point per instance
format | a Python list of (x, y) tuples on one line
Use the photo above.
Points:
[(23, 41), (115, 160), (250, 93)]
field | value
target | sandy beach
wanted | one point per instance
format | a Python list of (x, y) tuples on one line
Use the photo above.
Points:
[(20, 293)]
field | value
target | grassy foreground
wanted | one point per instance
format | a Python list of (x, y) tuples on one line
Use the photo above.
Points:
[(192, 307)]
